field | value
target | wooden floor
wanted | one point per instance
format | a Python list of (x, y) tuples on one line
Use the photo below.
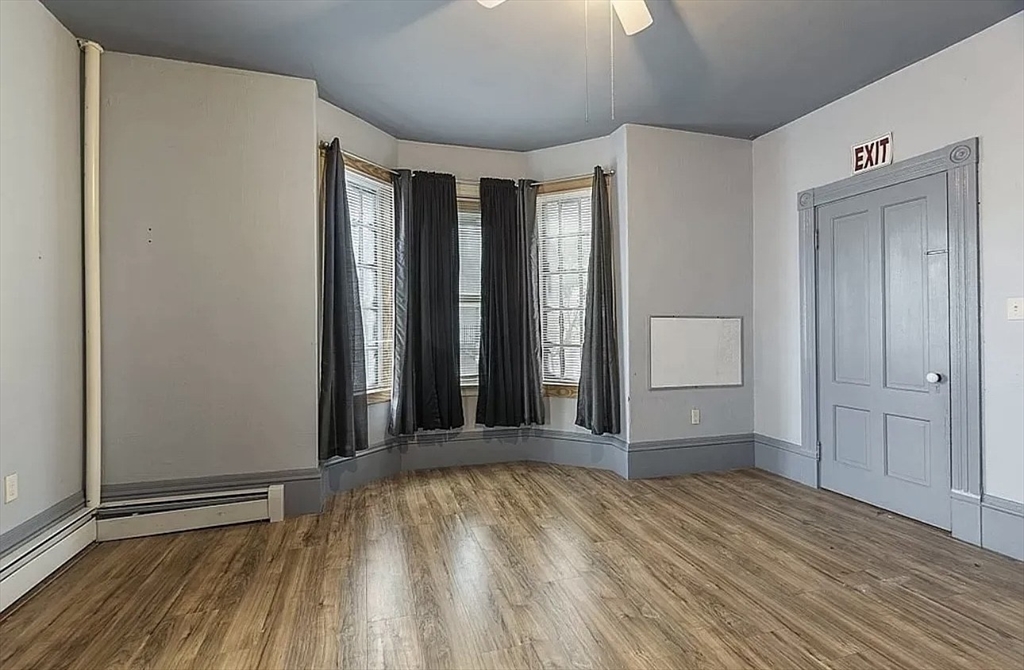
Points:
[(529, 565)]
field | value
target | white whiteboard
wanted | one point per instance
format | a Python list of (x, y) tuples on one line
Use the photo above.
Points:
[(696, 351)]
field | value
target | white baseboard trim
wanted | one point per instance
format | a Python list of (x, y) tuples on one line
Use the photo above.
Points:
[(27, 566)]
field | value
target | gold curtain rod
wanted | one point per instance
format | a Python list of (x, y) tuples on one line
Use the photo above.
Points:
[(324, 146), (607, 173)]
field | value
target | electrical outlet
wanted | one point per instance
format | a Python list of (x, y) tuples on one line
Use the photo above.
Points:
[(11, 487), (694, 416), (1015, 309)]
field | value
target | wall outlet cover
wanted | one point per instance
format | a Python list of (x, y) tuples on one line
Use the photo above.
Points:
[(1015, 309), (11, 487), (694, 416)]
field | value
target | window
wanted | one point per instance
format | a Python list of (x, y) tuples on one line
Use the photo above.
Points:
[(371, 206), (469, 291), (563, 224)]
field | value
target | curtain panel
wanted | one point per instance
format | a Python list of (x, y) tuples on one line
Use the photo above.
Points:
[(342, 410), (509, 392), (425, 392), (598, 403)]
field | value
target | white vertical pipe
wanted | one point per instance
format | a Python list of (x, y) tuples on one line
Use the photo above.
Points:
[(91, 223)]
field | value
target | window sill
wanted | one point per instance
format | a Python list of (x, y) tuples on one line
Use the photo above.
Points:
[(561, 390), (377, 397), (550, 390)]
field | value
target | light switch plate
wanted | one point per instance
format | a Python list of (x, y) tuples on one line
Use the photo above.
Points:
[(1015, 309), (11, 487)]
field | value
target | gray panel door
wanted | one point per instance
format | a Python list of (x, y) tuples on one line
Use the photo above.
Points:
[(883, 331)]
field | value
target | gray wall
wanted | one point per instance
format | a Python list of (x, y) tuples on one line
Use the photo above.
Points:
[(684, 245), (208, 184), (40, 261), (690, 253), (621, 219), (973, 88)]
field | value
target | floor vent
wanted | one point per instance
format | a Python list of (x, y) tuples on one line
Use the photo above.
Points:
[(139, 517)]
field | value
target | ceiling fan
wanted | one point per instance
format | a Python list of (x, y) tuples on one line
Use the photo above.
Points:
[(633, 14)]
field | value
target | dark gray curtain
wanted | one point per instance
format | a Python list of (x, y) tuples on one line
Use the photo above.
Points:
[(509, 391), (597, 407), (342, 357), (532, 352), (426, 392)]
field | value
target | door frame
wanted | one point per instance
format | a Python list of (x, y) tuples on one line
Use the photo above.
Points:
[(959, 162)]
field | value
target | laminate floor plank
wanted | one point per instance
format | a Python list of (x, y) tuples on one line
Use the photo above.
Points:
[(526, 565)]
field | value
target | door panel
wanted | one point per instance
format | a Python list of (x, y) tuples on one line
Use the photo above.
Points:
[(906, 449), (852, 269), (905, 295), (883, 325), (853, 436)]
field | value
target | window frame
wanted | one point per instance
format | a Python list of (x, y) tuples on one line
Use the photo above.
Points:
[(386, 318), (562, 388), (468, 199)]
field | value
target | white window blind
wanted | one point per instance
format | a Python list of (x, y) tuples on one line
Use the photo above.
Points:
[(469, 292), (563, 224), (371, 205)]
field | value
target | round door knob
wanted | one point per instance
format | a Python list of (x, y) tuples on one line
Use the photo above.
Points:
[(933, 377)]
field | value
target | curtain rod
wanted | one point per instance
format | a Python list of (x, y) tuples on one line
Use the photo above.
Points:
[(326, 145), (607, 173)]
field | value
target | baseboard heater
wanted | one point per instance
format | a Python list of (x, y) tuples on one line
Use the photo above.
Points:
[(138, 517), (28, 564)]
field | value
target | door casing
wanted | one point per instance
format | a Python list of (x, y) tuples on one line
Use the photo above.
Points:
[(959, 162)]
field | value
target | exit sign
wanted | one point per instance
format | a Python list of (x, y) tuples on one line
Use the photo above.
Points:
[(873, 154)]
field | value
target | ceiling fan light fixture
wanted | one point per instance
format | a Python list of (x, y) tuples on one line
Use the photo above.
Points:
[(633, 15), (490, 4)]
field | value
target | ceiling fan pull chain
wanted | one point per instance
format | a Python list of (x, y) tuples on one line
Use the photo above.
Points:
[(611, 49)]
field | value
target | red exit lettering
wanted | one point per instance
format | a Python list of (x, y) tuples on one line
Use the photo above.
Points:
[(873, 154)]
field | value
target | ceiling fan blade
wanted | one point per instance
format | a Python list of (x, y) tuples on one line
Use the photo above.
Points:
[(490, 4), (633, 15)]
